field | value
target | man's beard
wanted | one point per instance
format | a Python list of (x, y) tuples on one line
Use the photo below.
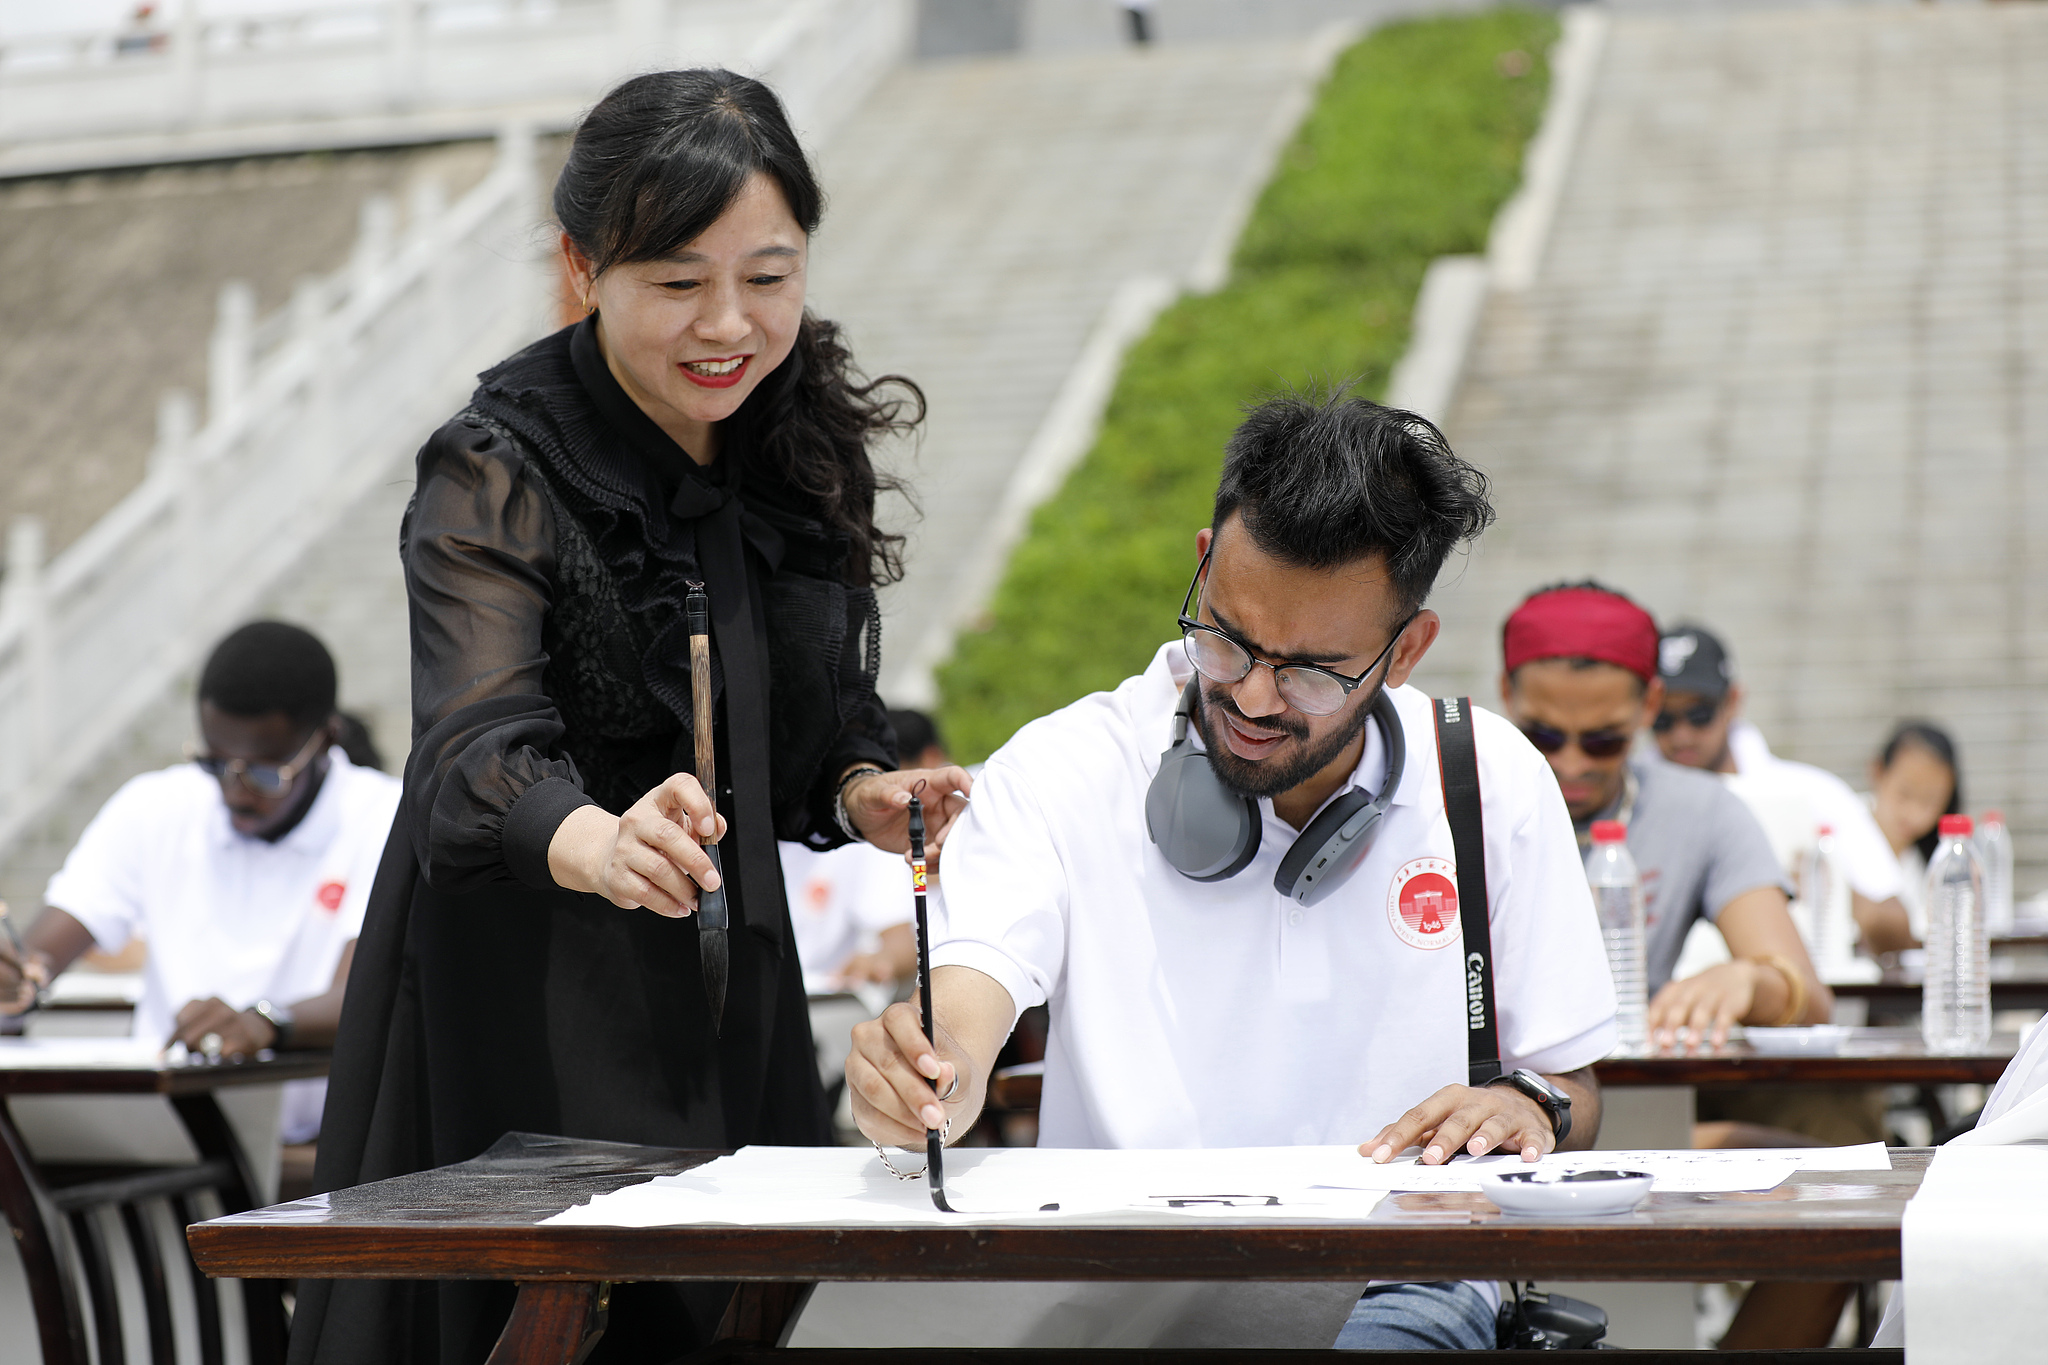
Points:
[(1272, 776)]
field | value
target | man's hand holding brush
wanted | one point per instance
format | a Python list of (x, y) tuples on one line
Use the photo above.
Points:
[(652, 856)]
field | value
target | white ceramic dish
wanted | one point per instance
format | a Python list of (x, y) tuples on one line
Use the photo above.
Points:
[(1581, 1194), (1819, 1040)]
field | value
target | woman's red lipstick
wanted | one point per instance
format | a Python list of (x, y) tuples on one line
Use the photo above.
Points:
[(715, 381)]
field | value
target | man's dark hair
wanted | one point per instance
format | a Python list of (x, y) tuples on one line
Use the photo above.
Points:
[(269, 666), (1322, 480), (915, 732)]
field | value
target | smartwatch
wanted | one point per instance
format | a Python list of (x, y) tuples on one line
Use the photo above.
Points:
[(1553, 1101), (279, 1017)]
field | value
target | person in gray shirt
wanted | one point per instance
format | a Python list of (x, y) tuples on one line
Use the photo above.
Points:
[(1580, 679)]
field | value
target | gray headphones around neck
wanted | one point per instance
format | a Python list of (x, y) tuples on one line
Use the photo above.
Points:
[(1209, 832)]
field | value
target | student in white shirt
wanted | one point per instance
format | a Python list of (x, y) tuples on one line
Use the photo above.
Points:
[(246, 870), (851, 906), (1192, 1013), (1915, 780), (850, 910), (1701, 726)]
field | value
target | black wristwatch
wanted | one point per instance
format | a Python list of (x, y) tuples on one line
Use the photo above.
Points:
[(279, 1017), (1554, 1101)]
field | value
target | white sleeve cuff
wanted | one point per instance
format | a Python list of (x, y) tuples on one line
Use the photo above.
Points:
[(1584, 1050), (996, 964)]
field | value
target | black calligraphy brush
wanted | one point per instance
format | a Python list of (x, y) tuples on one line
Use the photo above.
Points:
[(714, 917), (934, 1138)]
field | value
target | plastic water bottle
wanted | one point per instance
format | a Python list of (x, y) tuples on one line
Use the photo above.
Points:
[(1817, 893), (1618, 896), (1994, 846), (1955, 1008)]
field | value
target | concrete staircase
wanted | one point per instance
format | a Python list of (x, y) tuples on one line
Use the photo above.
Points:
[(1784, 371)]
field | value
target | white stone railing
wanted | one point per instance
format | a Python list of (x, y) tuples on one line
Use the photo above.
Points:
[(369, 59), (302, 412)]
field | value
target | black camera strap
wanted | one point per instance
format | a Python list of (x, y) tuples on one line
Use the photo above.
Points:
[(1458, 762)]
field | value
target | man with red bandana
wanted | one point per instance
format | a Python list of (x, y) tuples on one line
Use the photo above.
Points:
[(1580, 679)]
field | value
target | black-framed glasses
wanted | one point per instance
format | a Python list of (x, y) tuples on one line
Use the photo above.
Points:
[(1592, 743), (1222, 658), (1699, 717), (265, 779)]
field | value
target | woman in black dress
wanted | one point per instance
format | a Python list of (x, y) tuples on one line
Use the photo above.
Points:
[(697, 425)]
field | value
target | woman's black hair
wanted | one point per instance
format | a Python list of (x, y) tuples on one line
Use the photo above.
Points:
[(653, 165), (1936, 741)]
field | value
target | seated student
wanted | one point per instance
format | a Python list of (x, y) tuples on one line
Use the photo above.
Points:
[(1580, 678), (1701, 726), (1222, 1012), (850, 910), (1914, 781), (918, 739), (246, 870)]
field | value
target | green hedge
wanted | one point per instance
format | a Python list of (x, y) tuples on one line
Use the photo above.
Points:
[(1413, 144)]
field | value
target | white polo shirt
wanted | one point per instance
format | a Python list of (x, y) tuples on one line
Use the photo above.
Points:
[(1861, 852), (1221, 1014), (225, 914), (840, 902)]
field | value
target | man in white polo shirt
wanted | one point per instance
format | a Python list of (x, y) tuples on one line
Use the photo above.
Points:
[(1215, 1013), (246, 870)]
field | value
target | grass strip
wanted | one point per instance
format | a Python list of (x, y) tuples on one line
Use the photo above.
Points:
[(1413, 143)]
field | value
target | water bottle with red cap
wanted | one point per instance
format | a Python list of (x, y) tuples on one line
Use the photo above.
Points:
[(1828, 939), (1618, 897), (1955, 1006), (1994, 846)]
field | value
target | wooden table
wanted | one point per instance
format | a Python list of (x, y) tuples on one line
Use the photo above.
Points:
[(2016, 984), (482, 1220), (52, 1213)]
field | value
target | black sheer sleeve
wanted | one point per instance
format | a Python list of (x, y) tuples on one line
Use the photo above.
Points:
[(867, 737), (486, 786)]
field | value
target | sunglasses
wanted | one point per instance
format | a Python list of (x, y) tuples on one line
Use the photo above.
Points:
[(265, 779), (1592, 743), (1309, 688), (1698, 717)]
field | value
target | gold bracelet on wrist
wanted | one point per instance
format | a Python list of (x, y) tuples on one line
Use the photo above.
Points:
[(1795, 985)]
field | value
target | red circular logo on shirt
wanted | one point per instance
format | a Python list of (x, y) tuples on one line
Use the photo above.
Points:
[(329, 895), (1422, 904)]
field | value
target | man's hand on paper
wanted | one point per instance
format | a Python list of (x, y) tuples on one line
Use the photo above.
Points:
[(1458, 1116), (241, 1033), (897, 1078), (891, 1070)]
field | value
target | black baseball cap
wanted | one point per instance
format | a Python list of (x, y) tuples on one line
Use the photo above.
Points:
[(1690, 659)]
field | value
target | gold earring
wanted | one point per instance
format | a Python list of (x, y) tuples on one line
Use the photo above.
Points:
[(588, 306)]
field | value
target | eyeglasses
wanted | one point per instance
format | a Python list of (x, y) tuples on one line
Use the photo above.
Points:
[(1309, 688), (1592, 743), (1698, 717), (265, 779)]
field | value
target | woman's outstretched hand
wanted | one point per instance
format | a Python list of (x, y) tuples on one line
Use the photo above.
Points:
[(651, 857), (879, 806)]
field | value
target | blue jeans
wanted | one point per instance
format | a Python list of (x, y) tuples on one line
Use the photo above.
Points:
[(1447, 1316)]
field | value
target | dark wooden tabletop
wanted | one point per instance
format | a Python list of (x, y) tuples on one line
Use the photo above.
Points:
[(481, 1220), (1869, 1056), (89, 1077), (2017, 982)]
